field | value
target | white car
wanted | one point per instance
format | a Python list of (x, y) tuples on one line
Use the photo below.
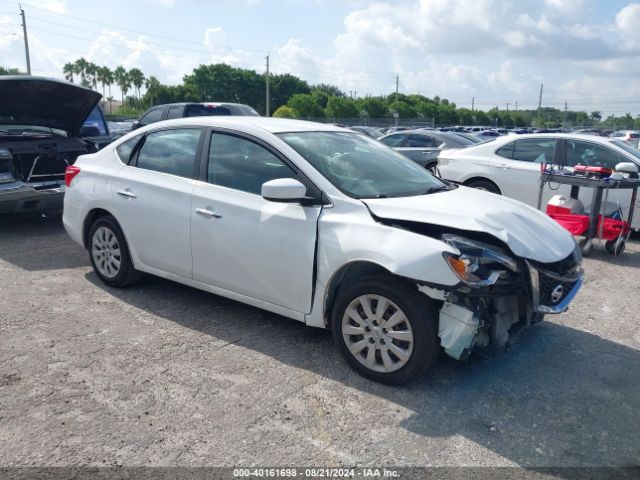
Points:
[(629, 136), (325, 226), (510, 166)]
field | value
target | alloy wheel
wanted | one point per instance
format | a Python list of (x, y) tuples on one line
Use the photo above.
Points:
[(377, 333), (105, 250)]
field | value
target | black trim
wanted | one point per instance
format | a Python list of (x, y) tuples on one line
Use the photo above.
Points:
[(133, 160)]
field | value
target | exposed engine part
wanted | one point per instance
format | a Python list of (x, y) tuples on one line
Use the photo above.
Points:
[(506, 315), (457, 330), (434, 293)]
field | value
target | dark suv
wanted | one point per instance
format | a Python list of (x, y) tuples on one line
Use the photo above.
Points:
[(204, 109)]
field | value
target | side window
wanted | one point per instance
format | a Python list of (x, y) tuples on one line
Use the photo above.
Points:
[(170, 151), (175, 112), (125, 148), (506, 151), (152, 116), (424, 141), (538, 150), (591, 155), (393, 140), (241, 164)]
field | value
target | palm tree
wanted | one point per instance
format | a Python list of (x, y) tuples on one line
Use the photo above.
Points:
[(122, 80), (92, 74), (110, 100), (152, 85), (102, 76), (81, 68), (137, 79), (69, 70)]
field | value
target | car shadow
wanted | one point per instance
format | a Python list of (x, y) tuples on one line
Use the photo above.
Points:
[(562, 397), (35, 242)]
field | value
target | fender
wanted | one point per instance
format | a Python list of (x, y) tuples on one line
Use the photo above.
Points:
[(354, 236)]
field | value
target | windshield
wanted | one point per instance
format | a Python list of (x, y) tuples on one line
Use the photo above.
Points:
[(362, 167), (627, 147)]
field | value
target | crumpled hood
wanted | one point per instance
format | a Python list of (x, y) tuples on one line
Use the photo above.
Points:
[(528, 232), (45, 102)]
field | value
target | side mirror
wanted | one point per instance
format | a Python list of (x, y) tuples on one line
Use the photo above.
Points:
[(283, 190), (89, 131), (135, 125)]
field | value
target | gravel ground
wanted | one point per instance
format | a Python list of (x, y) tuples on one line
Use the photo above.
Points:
[(162, 374)]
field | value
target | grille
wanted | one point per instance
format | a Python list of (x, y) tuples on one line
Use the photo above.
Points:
[(549, 285)]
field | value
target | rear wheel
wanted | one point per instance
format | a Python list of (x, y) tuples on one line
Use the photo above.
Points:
[(385, 329), (484, 185), (109, 253)]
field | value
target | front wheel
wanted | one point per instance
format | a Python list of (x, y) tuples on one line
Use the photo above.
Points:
[(386, 329)]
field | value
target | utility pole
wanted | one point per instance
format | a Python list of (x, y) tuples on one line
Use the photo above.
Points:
[(516, 106), (473, 103), (564, 118), (268, 108), (540, 101), (397, 85), (26, 41), (507, 104)]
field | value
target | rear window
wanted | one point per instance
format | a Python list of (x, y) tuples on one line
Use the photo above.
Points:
[(207, 111)]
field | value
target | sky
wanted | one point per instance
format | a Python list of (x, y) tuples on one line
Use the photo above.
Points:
[(496, 52)]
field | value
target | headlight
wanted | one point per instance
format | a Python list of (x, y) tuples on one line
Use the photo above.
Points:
[(478, 264)]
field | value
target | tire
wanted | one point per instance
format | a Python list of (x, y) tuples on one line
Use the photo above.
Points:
[(108, 248), (403, 360), (616, 247), (484, 185)]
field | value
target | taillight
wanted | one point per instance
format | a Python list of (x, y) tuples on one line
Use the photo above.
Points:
[(70, 173)]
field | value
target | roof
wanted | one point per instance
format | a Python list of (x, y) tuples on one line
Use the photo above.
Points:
[(267, 124)]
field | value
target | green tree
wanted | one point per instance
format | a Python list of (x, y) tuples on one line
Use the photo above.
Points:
[(284, 86), (403, 109), (305, 105), (122, 80), (69, 70), (152, 84), (374, 106), (342, 107), (137, 80), (284, 111), (10, 71), (596, 116), (329, 90)]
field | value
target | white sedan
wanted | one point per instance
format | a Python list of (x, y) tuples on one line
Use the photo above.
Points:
[(325, 226), (510, 165)]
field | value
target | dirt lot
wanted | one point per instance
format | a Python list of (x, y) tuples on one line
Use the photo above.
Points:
[(161, 374)]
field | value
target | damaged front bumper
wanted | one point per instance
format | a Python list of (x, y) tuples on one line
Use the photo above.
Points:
[(490, 318)]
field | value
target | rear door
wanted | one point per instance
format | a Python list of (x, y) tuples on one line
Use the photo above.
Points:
[(152, 198), (421, 148), (515, 167), (244, 243)]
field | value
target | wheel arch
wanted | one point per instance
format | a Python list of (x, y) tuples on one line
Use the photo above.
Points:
[(92, 216), (346, 275), (468, 181)]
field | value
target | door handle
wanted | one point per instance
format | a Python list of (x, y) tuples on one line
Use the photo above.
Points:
[(504, 166), (127, 193), (205, 212)]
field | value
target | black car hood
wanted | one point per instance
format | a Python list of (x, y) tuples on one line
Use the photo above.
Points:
[(45, 102)]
